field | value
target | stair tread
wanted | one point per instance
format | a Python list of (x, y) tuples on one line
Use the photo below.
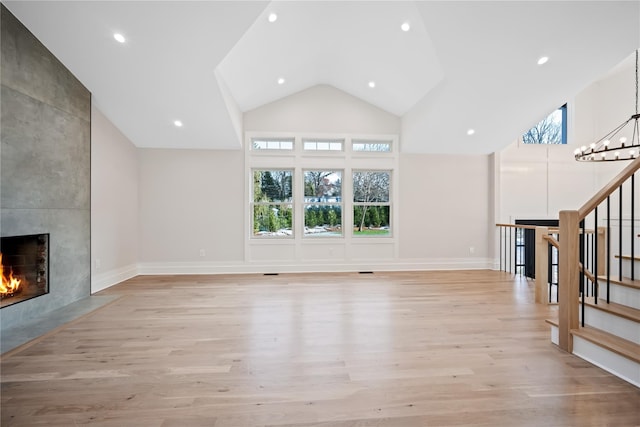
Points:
[(624, 282), (611, 342), (614, 308)]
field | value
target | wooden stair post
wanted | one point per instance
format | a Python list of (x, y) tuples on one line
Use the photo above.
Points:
[(568, 286)]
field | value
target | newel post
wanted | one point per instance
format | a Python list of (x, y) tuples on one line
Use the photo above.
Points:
[(542, 265), (568, 275)]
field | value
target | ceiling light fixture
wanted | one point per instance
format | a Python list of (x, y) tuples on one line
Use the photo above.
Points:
[(405, 27), (543, 60), (119, 37), (272, 17), (372, 84), (471, 132), (178, 123), (281, 81), (615, 145)]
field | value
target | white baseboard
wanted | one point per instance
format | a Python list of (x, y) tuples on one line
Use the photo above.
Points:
[(113, 277), (167, 268)]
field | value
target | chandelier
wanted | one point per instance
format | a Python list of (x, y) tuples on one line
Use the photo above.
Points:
[(622, 143)]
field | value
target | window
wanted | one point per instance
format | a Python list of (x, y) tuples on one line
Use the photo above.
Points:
[(322, 203), (271, 144), (371, 145), (272, 206), (323, 144), (551, 130), (371, 203), (319, 196)]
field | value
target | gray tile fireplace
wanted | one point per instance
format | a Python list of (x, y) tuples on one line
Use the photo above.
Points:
[(45, 159)]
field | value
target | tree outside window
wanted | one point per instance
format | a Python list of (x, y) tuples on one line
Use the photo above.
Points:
[(551, 130), (272, 203), (371, 206)]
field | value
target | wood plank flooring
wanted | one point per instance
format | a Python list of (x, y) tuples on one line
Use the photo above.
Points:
[(465, 348)]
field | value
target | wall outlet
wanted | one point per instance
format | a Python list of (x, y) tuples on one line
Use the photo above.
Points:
[(98, 264), (202, 253), (472, 250)]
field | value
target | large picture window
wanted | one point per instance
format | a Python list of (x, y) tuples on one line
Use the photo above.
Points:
[(320, 196), (371, 203), (322, 203), (272, 203)]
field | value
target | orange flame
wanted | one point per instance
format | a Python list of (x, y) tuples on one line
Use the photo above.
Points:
[(10, 284)]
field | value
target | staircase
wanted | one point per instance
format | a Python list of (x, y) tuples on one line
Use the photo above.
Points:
[(599, 317)]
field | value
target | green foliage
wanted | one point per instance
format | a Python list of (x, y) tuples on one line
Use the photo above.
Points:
[(365, 217), (332, 217)]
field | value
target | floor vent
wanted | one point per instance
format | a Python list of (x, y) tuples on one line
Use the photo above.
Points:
[(365, 272), (270, 274)]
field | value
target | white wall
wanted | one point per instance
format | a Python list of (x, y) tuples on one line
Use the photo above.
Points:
[(190, 200), (114, 204), (321, 109), (537, 181), (445, 203)]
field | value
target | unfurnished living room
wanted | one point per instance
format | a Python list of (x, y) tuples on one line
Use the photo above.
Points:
[(319, 213)]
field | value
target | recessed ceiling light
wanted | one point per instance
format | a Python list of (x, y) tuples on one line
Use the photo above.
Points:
[(372, 84), (178, 123), (119, 37), (543, 60), (405, 26), (272, 17), (281, 81), (471, 131)]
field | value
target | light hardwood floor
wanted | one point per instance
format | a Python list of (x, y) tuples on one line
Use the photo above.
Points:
[(345, 350)]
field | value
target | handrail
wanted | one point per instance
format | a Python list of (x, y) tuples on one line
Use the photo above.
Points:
[(586, 272), (553, 242), (527, 227), (606, 191)]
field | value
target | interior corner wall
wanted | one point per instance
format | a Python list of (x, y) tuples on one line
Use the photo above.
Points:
[(114, 204), (45, 166)]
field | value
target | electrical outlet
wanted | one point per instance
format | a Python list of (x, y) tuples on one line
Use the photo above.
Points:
[(98, 264), (202, 253), (472, 250)]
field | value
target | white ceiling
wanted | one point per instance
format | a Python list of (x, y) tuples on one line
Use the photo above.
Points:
[(462, 65)]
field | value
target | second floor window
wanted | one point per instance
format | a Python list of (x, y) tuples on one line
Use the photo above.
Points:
[(551, 130)]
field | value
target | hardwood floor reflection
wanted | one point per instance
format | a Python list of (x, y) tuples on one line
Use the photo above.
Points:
[(345, 350)]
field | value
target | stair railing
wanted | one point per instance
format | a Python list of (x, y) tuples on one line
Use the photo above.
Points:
[(511, 247), (580, 260)]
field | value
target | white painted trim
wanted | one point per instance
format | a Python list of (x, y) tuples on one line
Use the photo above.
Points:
[(611, 362), (169, 268), (616, 325), (555, 335), (107, 279)]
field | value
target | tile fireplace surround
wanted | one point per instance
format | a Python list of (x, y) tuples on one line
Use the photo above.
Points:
[(45, 115)]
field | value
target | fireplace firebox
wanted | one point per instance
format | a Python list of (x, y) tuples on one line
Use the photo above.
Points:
[(24, 267)]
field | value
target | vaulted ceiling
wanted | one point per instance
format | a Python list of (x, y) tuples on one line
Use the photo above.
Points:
[(461, 65)]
